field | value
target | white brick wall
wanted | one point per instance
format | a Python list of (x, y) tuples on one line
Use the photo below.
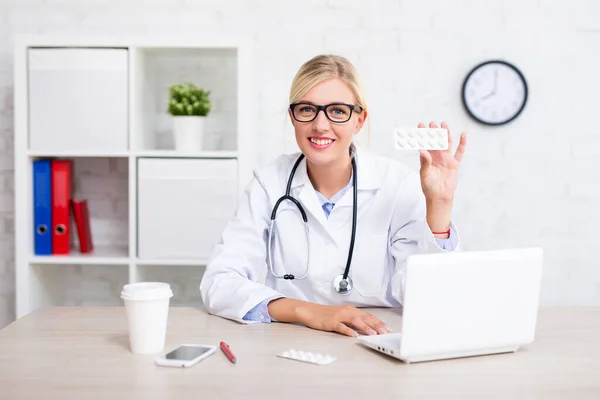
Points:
[(534, 182)]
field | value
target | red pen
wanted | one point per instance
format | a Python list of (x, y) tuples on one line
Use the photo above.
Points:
[(227, 350)]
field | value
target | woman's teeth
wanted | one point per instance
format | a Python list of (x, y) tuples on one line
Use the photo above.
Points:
[(321, 142)]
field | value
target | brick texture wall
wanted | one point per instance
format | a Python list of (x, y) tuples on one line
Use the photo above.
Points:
[(534, 182)]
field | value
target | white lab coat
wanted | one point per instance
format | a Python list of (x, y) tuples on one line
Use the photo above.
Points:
[(391, 225)]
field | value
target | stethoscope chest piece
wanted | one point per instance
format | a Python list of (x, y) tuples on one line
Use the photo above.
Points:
[(341, 285)]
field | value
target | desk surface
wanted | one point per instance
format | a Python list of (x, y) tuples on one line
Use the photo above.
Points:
[(83, 353)]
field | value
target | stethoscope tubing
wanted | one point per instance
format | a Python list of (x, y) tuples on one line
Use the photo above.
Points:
[(287, 196)]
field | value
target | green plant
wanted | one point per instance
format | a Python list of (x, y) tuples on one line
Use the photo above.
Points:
[(187, 99)]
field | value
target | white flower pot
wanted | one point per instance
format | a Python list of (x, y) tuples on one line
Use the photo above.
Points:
[(188, 132)]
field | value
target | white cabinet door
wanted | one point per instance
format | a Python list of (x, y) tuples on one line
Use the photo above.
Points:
[(184, 205), (78, 100)]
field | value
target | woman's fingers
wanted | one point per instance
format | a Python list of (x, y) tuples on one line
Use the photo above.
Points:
[(368, 324), (445, 126), (362, 326), (462, 144), (425, 159), (344, 330), (349, 320), (379, 326)]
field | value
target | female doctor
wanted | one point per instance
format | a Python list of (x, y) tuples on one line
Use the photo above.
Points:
[(364, 215)]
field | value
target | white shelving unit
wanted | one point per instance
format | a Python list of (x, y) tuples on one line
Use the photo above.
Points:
[(155, 213)]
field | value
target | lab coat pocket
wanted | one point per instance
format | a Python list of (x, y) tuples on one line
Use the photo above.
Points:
[(371, 273)]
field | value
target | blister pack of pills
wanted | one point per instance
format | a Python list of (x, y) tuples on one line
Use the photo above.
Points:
[(421, 138), (307, 356)]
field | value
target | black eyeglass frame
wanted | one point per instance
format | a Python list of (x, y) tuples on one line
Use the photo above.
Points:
[(352, 107)]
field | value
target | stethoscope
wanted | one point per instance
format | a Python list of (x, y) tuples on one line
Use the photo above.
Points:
[(342, 283)]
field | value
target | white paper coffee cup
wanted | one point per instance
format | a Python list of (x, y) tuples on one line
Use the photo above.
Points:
[(147, 309)]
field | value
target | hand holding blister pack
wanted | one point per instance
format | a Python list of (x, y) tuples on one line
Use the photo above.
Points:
[(421, 138)]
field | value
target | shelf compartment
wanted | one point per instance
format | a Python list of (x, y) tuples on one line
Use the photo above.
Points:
[(104, 183), (157, 68), (183, 206), (77, 285), (78, 100)]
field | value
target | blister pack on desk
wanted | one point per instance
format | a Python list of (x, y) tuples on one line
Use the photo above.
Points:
[(307, 356)]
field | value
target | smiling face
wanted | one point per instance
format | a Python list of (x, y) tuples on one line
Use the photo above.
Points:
[(322, 141)]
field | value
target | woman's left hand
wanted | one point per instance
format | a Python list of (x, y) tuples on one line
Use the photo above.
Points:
[(439, 169)]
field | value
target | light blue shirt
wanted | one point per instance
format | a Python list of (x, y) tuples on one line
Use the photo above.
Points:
[(260, 312)]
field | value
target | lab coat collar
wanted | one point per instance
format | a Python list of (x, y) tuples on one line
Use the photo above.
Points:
[(368, 181), (367, 176)]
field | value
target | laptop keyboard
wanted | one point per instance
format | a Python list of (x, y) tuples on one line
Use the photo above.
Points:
[(390, 340)]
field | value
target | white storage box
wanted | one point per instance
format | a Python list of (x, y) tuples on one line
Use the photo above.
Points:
[(183, 206), (78, 100)]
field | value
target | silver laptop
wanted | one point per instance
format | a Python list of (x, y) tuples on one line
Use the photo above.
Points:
[(465, 303)]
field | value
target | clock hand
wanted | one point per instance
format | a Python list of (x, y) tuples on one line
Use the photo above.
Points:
[(495, 80), (488, 95), (493, 92)]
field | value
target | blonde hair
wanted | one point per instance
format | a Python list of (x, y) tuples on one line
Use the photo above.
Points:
[(323, 67)]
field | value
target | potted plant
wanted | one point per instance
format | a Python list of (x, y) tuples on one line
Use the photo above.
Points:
[(188, 106)]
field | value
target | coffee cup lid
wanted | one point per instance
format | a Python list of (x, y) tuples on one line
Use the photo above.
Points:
[(146, 291)]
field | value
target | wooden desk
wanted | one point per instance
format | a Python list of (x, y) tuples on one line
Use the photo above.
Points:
[(83, 353)]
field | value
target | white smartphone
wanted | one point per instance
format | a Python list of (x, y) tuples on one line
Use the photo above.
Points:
[(186, 355)]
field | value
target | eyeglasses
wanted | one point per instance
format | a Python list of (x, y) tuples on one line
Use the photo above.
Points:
[(335, 112)]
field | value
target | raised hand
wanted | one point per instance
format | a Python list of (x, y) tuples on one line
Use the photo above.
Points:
[(439, 168)]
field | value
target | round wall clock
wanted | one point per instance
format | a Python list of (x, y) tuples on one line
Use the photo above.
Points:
[(494, 92)]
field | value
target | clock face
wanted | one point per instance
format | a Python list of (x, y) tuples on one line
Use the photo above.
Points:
[(494, 92)]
